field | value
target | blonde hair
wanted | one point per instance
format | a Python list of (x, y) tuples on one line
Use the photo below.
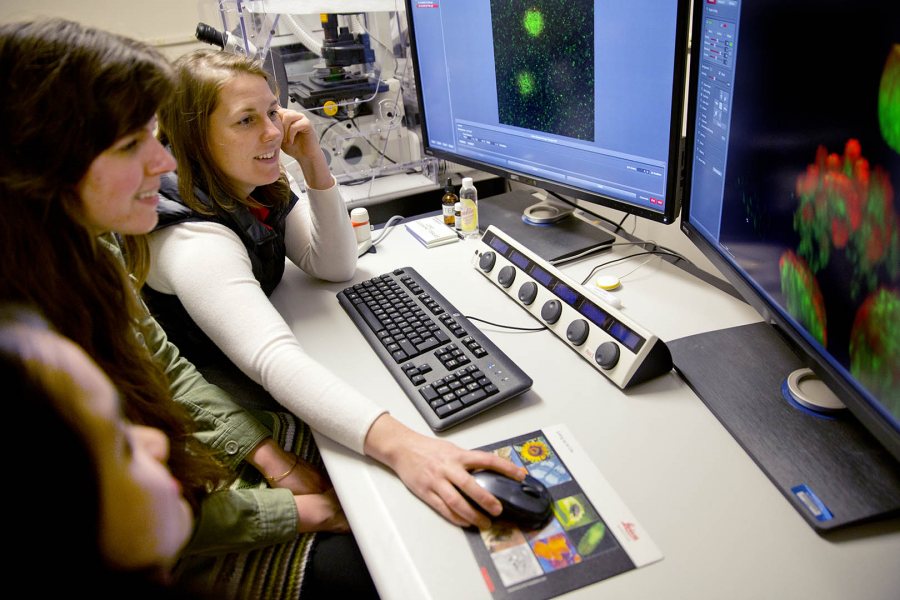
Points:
[(184, 126)]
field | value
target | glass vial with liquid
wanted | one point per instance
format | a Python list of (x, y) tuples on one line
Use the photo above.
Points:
[(468, 197), (457, 217), (447, 202)]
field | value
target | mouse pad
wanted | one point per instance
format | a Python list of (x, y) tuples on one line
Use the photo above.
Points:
[(556, 242), (590, 537)]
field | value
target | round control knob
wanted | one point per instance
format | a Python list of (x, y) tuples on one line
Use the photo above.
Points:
[(507, 276), (607, 355), (486, 262), (577, 332), (528, 292), (551, 311)]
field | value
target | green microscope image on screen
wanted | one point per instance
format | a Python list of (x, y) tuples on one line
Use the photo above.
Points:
[(544, 58)]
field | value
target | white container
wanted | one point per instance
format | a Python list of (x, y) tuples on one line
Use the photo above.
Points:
[(359, 218), (468, 198)]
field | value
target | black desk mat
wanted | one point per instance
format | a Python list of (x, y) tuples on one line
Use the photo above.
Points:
[(738, 373)]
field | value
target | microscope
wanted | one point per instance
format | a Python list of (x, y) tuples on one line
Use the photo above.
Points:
[(327, 88), (359, 116)]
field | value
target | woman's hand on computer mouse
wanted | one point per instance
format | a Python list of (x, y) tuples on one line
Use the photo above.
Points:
[(437, 471)]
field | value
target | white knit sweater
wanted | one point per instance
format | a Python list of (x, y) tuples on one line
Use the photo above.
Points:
[(200, 261)]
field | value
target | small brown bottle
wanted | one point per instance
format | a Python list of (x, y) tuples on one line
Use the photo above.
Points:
[(447, 202)]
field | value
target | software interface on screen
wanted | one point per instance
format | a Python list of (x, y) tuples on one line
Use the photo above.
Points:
[(796, 169), (576, 92)]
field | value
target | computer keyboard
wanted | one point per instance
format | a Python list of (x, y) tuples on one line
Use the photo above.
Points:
[(446, 366)]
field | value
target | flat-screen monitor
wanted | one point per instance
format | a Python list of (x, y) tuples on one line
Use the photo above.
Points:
[(580, 97), (792, 182)]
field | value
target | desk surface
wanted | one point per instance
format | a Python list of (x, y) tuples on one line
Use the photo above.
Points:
[(724, 530)]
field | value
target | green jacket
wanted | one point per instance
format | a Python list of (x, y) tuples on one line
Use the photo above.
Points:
[(231, 519)]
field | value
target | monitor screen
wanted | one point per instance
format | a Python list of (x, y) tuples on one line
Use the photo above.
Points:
[(793, 171), (580, 97)]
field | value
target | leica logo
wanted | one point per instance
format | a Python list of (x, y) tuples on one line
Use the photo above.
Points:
[(630, 530)]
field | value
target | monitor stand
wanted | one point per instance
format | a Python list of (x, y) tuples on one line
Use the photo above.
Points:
[(829, 468), (558, 241)]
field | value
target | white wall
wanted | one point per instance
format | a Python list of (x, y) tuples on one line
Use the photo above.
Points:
[(166, 24)]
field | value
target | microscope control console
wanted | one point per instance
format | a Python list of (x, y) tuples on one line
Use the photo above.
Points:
[(614, 344)]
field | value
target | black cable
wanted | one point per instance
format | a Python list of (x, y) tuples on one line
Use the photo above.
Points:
[(618, 225), (324, 131), (369, 142), (654, 245), (504, 326), (621, 258), (672, 252)]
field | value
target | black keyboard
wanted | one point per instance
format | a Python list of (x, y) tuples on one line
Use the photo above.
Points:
[(446, 366)]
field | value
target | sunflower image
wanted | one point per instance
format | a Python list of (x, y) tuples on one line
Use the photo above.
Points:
[(534, 451)]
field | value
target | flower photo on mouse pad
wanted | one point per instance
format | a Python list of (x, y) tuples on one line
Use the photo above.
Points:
[(576, 547)]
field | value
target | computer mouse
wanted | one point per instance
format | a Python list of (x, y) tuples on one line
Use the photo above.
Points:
[(526, 503)]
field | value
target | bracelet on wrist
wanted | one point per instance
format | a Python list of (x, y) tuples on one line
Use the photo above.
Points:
[(278, 478)]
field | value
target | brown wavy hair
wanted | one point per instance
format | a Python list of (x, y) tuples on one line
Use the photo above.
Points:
[(184, 127), (69, 93)]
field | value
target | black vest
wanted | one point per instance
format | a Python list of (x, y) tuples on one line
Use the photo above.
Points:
[(265, 246)]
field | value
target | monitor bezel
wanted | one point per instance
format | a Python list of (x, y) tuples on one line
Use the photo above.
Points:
[(854, 399), (675, 169)]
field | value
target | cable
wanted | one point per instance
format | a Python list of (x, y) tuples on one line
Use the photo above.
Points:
[(621, 258), (324, 131), (622, 277), (383, 151), (655, 245), (368, 141), (355, 125), (597, 249), (505, 326), (581, 254), (355, 21), (387, 229), (309, 42)]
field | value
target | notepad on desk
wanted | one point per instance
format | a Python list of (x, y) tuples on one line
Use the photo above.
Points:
[(432, 231)]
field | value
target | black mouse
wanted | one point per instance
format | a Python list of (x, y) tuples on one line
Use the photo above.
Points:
[(526, 503)]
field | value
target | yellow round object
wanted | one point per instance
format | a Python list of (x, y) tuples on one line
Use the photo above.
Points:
[(607, 282), (330, 108)]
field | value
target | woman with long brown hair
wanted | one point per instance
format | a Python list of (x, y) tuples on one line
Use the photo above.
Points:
[(80, 172)]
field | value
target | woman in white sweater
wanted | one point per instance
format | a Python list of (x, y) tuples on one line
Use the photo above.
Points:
[(225, 229)]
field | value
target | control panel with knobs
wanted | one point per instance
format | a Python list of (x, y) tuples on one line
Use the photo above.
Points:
[(613, 343)]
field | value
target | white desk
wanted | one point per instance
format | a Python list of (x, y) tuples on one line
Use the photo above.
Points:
[(723, 528)]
